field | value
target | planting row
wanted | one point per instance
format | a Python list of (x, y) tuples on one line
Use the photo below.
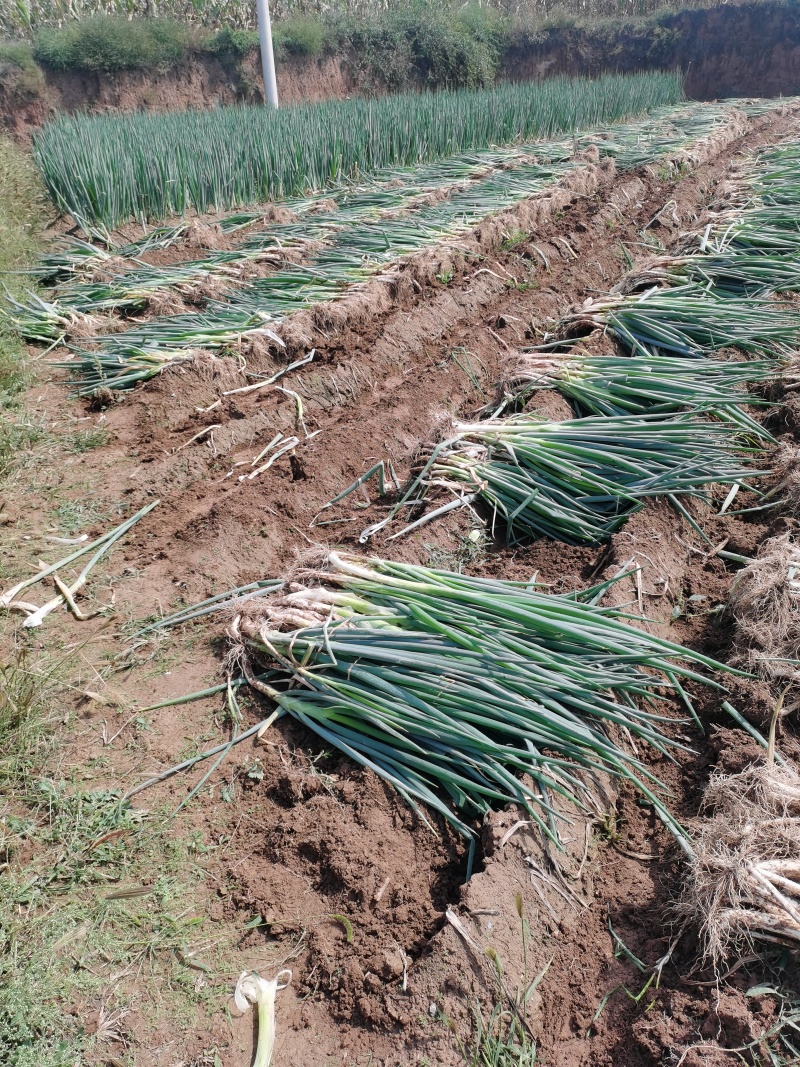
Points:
[(368, 229), (105, 171), (465, 693), (662, 419)]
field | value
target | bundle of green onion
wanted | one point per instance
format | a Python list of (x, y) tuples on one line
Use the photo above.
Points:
[(141, 353), (633, 385), (691, 321), (442, 683), (579, 480), (725, 266)]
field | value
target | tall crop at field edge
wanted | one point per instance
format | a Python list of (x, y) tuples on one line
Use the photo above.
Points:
[(106, 170)]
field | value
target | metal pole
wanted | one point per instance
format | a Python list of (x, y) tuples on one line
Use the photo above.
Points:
[(267, 54)]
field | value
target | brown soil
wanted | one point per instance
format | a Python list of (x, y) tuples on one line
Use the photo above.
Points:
[(314, 837)]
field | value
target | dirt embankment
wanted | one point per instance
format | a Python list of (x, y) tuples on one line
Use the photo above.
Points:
[(752, 49), (748, 50)]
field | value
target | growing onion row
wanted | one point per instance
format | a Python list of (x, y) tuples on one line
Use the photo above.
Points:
[(107, 170), (349, 253)]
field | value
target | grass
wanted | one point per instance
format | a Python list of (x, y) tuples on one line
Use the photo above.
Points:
[(86, 440), (105, 170), (101, 903), (77, 516), (28, 708), (502, 1037), (22, 204), (82, 912), (90, 888)]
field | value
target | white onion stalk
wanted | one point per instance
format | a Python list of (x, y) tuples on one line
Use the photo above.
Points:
[(253, 989)]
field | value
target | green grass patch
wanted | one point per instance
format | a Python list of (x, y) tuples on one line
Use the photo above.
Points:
[(86, 440), (106, 893), (21, 205), (91, 887)]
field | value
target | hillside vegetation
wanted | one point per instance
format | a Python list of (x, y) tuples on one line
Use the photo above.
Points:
[(437, 43)]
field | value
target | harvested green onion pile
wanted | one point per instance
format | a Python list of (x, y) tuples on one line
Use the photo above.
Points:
[(579, 480), (635, 385), (725, 266), (446, 684), (690, 320)]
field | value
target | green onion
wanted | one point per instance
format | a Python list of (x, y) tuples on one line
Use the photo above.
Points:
[(579, 480), (452, 686), (633, 385)]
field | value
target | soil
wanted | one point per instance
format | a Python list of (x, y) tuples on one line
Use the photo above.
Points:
[(315, 838)]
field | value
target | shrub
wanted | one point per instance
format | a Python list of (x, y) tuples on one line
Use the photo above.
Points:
[(20, 72), (235, 42), (428, 44), (299, 35), (109, 44)]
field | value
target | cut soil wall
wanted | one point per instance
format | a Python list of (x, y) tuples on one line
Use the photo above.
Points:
[(748, 50)]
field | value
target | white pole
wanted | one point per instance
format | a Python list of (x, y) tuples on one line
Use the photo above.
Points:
[(267, 54)]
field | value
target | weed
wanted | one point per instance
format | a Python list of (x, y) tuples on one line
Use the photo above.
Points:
[(522, 286), (16, 437), (469, 550), (236, 42), (21, 73), (498, 1041), (673, 171), (463, 359), (299, 36), (503, 1038), (29, 705), (651, 241), (514, 239), (445, 276), (106, 893), (86, 440), (76, 516)]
